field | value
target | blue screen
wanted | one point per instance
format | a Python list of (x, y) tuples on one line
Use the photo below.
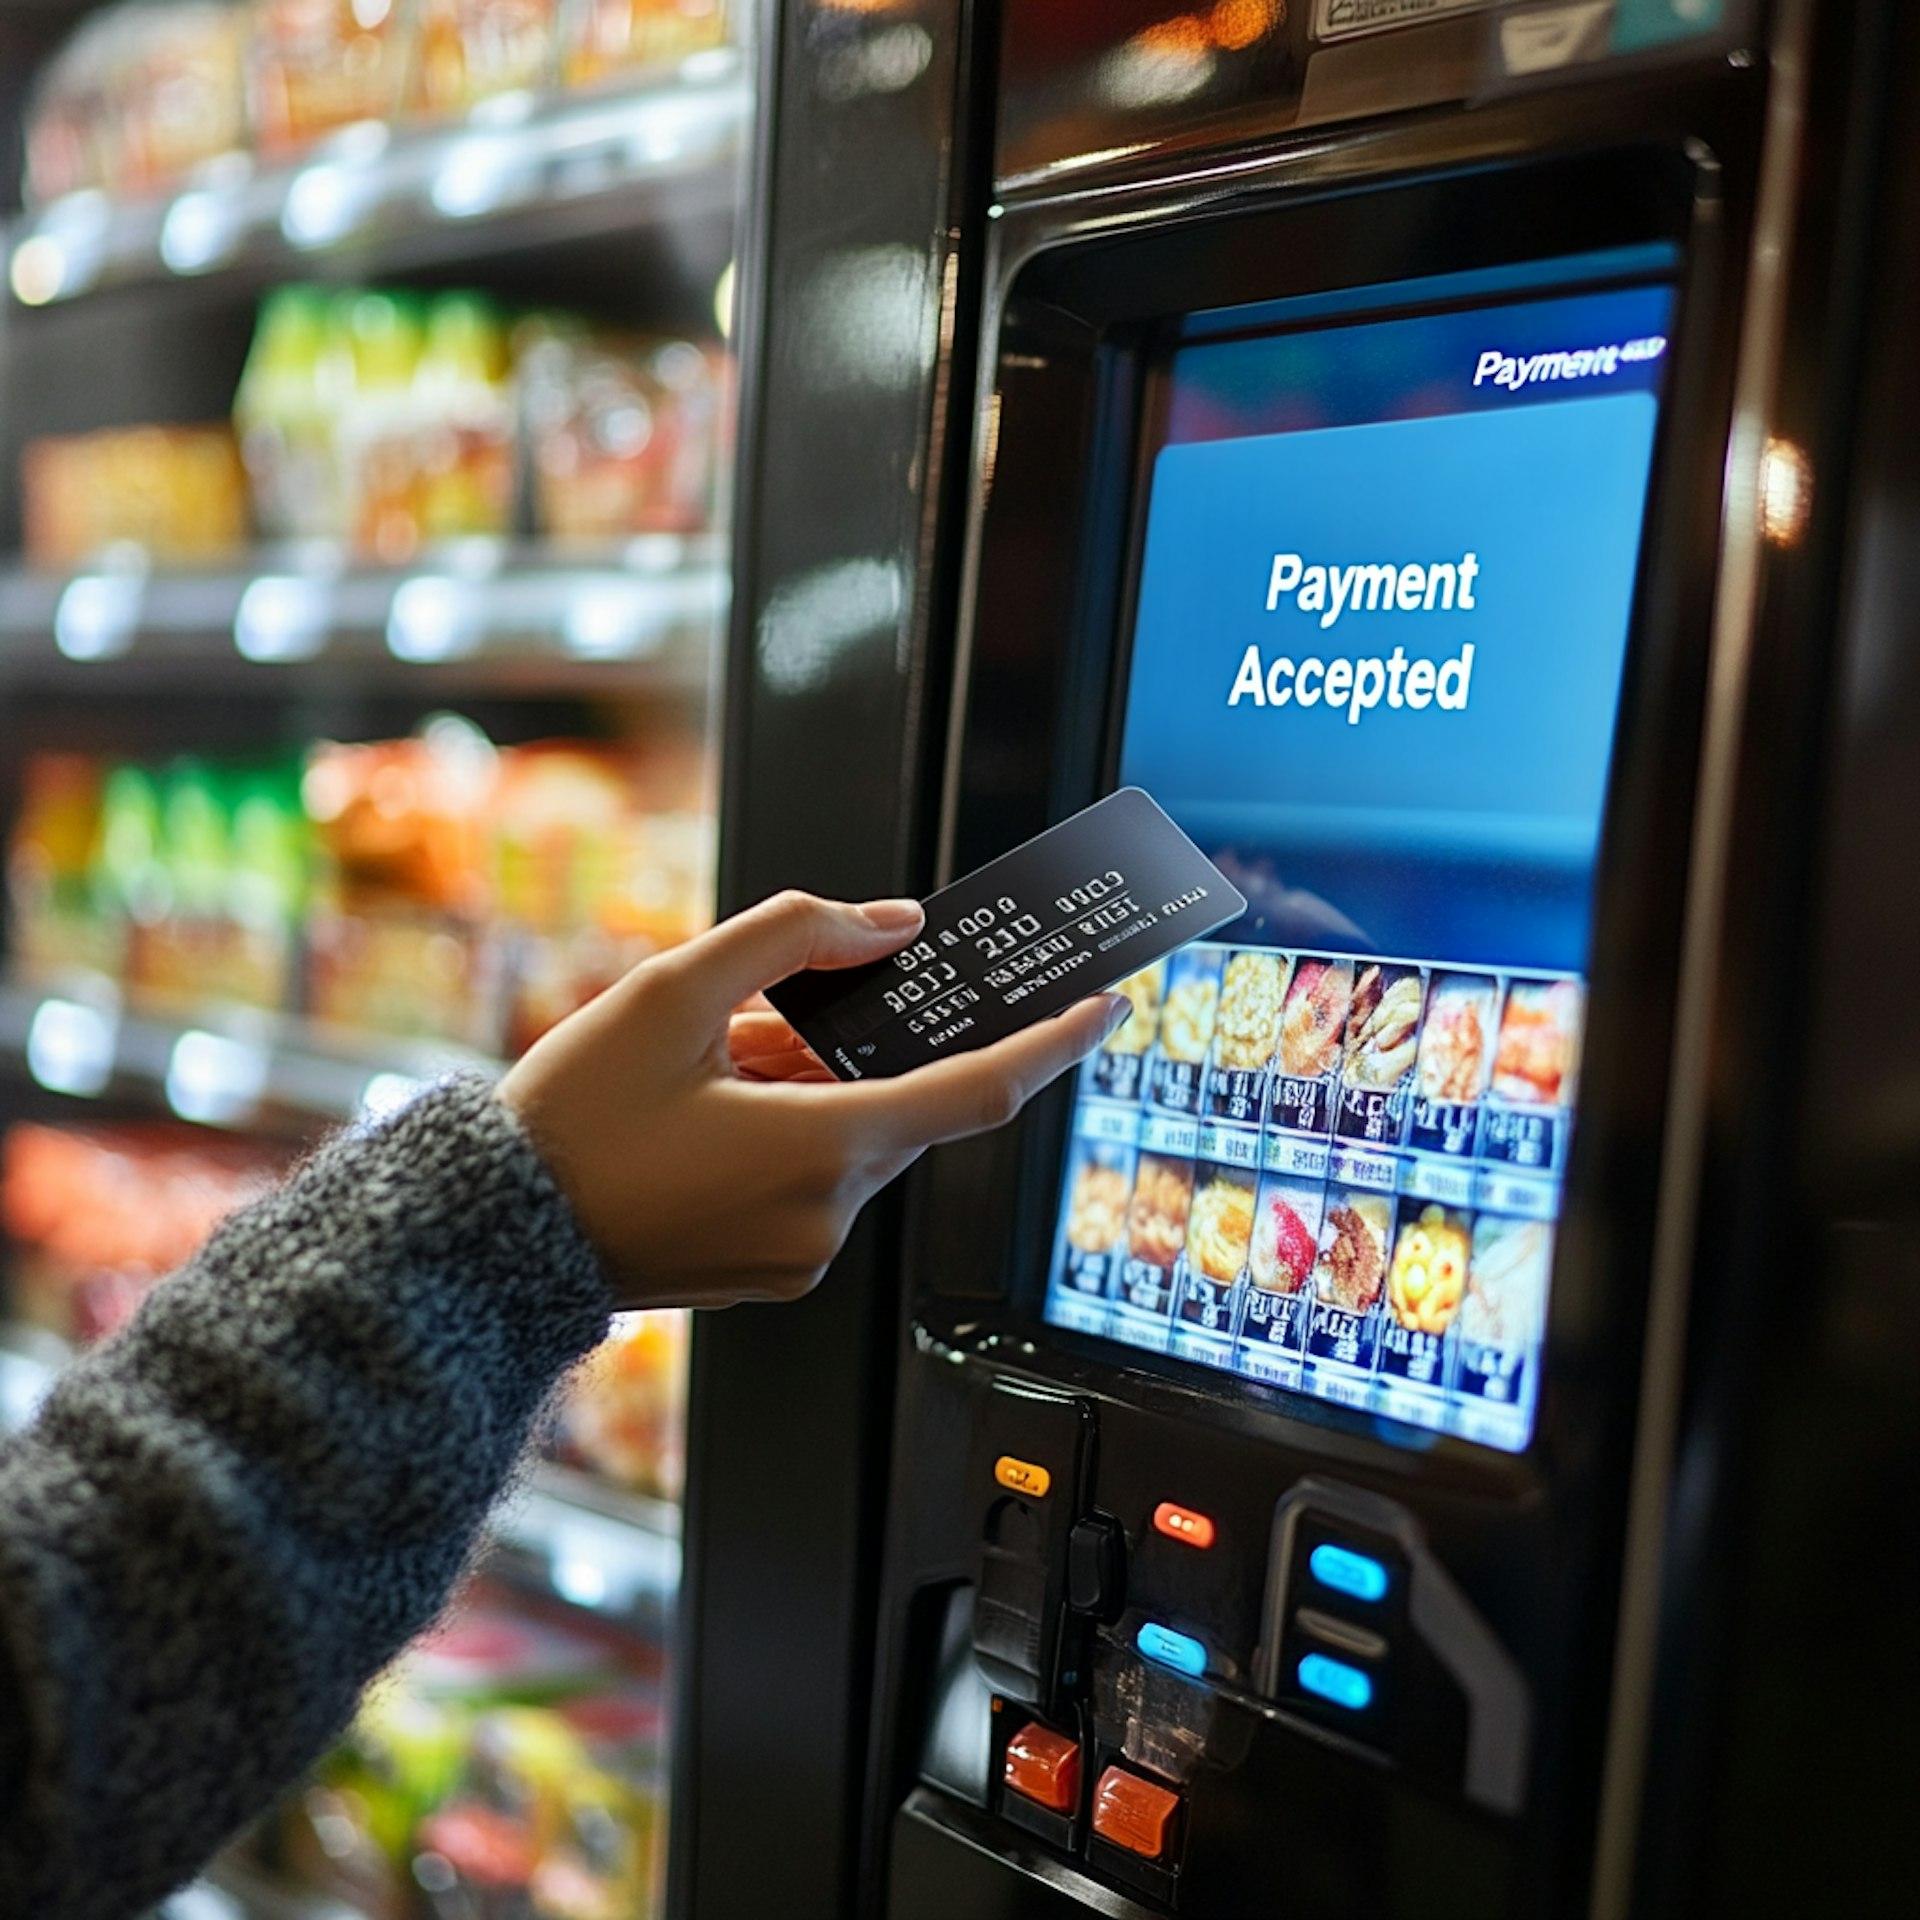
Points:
[(1385, 592)]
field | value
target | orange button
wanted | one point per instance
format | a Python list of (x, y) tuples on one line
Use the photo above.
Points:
[(1182, 1523), (1045, 1766), (1022, 1476), (1134, 1813)]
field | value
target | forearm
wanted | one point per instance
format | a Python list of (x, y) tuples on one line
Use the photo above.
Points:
[(232, 1516)]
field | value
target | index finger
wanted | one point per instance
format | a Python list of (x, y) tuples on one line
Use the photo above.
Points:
[(975, 1092)]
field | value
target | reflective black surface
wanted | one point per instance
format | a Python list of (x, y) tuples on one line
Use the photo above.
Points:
[(848, 319), (1091, 90)]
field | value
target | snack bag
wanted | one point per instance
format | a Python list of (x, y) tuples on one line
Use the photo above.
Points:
[(473, 49), (602, 37), (56, 923), (322, 64), (626, 1406)]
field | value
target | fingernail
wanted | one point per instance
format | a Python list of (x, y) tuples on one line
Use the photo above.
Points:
[(892, 916), (1119, 1011)]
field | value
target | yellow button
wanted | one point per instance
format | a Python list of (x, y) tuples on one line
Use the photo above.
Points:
[(1022, 1476)]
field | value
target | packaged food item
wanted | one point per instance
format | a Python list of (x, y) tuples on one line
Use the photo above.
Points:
[(1143, 990), (470, 50), (318, 65), (434, 887), (379, 429), (99, 1215), (137, 97), (608, 1858), (625, 1413), (128, 882), (55, 924), (294, 389), (379, 419), (1280, 1261), (623, 435), (70, 132), (1118, 1070), (508, 1768), (209, 868), (604, 37), (462, 422), (398, 933), (1454, 1059), (599, 859), (270, 856), (178, 493), (181, 89)]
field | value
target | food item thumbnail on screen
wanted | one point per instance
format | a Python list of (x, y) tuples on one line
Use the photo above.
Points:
[(1332, 1174)]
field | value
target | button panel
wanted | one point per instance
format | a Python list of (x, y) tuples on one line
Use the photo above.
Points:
[(1022, 1476), (1183, 1524), (1357, 1575), (1340, 1624), (1032, 1447), (1135, 1814), (1336, 1681), (1045, 1767), (1180, 1651)]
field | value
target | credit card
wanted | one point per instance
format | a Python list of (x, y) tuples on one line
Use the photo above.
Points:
[(1066, 915)]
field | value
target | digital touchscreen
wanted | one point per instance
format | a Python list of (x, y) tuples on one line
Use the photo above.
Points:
[(1382, 611)]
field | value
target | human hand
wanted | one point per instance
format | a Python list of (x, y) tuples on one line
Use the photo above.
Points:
[(709, 1156)]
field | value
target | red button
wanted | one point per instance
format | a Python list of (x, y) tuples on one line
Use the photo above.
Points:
[(1134, 1813), (1045, 1766), (1182, 1523)]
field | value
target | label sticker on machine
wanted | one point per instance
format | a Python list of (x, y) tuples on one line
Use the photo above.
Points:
[(1089, 902), (1343, 19)]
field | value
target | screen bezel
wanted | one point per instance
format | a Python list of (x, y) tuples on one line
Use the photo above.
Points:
[(1073, 304)]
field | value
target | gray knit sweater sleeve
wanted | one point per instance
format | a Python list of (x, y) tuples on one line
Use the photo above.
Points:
[(230, 1517)]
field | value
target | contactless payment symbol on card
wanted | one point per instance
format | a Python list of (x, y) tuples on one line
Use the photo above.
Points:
[(1078, 907)]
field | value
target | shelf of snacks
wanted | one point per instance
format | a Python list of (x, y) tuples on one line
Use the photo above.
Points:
[(192, 136), (316, 929), (513, 1762), (405, 480)]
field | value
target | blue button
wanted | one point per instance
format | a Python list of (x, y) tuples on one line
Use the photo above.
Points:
[(1172, 1649), (1334, 1680), (1345, 1571)]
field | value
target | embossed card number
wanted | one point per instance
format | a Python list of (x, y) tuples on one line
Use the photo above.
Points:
[(1076, 908)]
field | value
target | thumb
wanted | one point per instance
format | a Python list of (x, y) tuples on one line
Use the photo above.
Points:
[(973, 1092), (783, 935)]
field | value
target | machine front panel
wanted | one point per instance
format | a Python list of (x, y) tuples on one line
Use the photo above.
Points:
[(1267, 1424)]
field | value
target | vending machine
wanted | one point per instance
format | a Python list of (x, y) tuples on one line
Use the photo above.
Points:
[(1387, 434)]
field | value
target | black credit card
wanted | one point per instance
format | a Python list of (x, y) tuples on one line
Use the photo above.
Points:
[(1078, 907)]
